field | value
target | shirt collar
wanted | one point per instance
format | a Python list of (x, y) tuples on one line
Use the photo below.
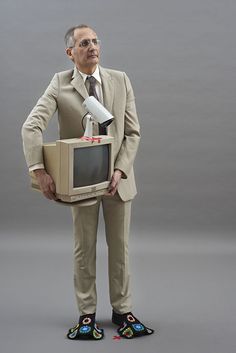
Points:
[(96, 74)]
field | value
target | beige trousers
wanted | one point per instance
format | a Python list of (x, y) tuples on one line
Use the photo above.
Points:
[(117, 223)]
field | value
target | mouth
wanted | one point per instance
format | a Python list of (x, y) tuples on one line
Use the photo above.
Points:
[(93, 56)]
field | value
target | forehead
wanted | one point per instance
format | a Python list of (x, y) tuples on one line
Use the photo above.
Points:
[(84, 33)]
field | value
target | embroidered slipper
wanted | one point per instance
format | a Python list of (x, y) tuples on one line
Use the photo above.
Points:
[(86, 329), (130, 326)]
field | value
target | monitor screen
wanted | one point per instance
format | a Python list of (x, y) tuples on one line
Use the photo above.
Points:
[(91, 165)]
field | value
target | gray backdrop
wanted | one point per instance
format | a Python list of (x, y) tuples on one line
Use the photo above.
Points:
[(181, 58)]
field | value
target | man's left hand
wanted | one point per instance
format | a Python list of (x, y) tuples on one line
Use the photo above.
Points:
[(112, 188)]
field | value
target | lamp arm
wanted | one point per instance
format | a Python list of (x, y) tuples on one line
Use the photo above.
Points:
[(89, 126)]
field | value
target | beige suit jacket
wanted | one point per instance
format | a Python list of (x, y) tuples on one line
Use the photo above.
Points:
[(65, 94)]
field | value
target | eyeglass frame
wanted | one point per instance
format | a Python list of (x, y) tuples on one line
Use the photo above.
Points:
[(95, 41)]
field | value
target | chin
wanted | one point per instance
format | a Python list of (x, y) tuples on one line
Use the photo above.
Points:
[(94, 62)]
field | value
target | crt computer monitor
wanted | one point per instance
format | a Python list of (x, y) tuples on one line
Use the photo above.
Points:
[(81, 169)]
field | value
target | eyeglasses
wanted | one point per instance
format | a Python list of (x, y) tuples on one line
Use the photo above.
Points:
[(86, 42)]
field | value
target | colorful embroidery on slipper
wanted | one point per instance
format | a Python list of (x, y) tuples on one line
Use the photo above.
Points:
[(72, 334), (130, 318), (97, 335), (98, 329), (127, 332), (86, 321), (85, 329), (138, 327)]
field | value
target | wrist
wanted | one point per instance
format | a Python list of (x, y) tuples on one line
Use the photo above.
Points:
[(39, 172), (118, 171)]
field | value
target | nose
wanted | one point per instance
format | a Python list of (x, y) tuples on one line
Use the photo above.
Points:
[(92, 45)]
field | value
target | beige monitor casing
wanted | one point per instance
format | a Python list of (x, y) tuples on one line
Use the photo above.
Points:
[(58, 162)]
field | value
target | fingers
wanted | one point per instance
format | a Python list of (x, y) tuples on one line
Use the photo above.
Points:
[(49, 195), (53, 190), (47, 186), (50, 191), (112, 189), (111, 186), (114, 183)]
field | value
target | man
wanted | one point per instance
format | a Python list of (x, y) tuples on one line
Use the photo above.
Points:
[(65, 94)]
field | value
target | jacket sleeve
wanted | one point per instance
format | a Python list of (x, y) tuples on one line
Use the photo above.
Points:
[(129, 146), (37, 122)]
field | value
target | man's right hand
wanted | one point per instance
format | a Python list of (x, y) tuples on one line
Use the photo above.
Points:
[(46, 184)]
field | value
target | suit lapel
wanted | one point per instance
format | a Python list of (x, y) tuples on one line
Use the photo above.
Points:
[(107, 89), (108, 95), (78, 83)]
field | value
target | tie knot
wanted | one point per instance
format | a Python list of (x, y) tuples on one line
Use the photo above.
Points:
[(92, 80)]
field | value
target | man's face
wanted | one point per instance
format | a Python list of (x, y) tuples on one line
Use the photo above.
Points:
[(85, 57)]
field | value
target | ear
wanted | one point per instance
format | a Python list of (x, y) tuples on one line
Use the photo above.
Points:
[(69, 53)]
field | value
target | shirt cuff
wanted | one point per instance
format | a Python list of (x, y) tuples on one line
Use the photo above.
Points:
[(36, 166)]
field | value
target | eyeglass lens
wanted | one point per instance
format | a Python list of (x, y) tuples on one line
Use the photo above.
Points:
[(87, 42)]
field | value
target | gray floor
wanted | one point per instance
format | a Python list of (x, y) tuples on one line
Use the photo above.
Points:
[(184, 287)]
